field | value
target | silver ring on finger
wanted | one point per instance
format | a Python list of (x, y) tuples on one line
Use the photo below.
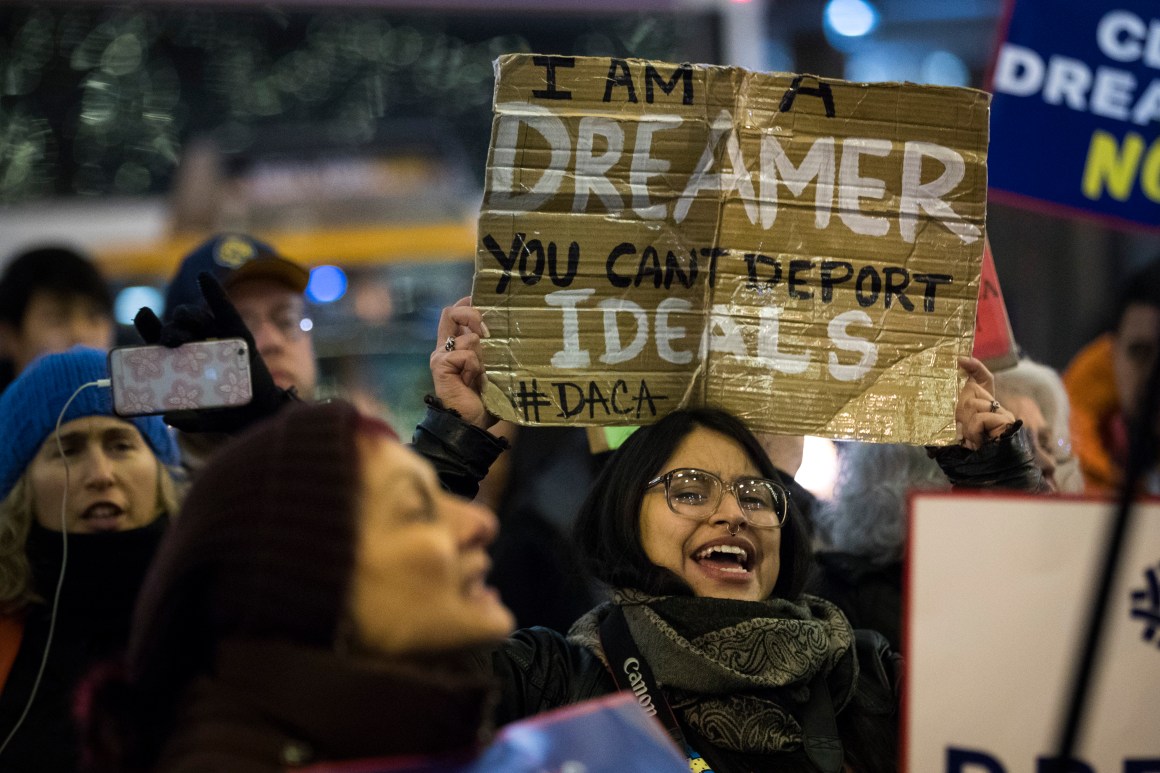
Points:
[(994, 405), (449, 346)]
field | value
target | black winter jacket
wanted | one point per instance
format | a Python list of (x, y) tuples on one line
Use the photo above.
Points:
[(540, 670)]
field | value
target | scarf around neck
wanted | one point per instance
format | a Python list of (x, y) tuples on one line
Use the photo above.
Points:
[(266, 696), (102, 577), (736, 672)]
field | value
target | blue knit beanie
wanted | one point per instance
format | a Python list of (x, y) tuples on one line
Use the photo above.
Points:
[(30, 405)]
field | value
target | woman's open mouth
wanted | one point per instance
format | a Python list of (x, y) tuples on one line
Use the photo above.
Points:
[(725, 561), (103, 516), (476, 587)]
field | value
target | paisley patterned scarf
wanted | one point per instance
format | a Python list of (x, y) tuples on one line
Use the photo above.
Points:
[(736, 672)]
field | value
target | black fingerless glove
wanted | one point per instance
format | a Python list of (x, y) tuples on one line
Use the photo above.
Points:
[(218, 319), (1008, 462), (461, 452)]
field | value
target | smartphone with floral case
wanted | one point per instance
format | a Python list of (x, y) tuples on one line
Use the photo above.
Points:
[(200, 374)]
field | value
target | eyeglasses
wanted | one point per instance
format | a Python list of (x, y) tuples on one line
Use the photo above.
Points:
[(1059, 449), (291, 323), (697, 494), (1062, 451)]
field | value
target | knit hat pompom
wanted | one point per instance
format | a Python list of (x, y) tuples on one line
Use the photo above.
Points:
[(31, 404), (264, 546)]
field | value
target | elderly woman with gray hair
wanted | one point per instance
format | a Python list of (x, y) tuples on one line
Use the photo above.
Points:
[(863, 529), (1035, 394)]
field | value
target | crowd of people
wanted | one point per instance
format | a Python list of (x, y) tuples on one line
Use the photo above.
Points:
[(287, 583)]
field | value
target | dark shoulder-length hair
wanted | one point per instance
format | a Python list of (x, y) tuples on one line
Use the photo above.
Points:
[(607, 528)]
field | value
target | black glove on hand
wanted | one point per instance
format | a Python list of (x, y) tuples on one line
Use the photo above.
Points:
[(219, 319), (1007, 462)]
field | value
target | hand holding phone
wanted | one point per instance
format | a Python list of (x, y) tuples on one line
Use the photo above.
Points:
[(218, 319), (197, 375)]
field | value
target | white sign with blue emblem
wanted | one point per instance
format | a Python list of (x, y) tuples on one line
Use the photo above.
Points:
[(999, 593)]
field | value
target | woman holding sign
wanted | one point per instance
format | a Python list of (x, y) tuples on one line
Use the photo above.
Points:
[(691, 527)]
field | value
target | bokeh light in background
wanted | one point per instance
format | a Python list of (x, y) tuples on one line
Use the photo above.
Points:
[(819, 470), (943, 68), (895, 61), (373, 303), (880, 63), (142, 80), (131, 300), (778, 56), (850, 18), (327, 284)]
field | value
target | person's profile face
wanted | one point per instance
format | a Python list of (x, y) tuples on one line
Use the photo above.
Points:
[(421, 565), (274, 313), (1042, 435), (686, 546), (1135, 351), (56, 323), (111, 482)]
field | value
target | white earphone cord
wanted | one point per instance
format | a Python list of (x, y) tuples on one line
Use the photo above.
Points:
[(104, 382)]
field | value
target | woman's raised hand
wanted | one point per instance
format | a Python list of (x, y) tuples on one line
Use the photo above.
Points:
[(457, 362), (978, 415)]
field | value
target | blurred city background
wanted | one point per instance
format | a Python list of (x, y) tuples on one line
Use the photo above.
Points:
[(353, 136)]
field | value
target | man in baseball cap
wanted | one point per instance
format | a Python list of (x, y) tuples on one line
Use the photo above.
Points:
[(267, 290)]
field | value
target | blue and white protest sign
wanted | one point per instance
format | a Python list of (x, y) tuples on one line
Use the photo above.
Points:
[(605, 735), (998, 596), (1075, 118)]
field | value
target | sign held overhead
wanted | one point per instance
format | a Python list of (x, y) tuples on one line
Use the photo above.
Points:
[(804, 252)]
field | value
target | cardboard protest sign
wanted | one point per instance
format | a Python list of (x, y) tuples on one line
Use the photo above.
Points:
[(801, 251), (998, 593), (1075, 123), (994, 340)]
